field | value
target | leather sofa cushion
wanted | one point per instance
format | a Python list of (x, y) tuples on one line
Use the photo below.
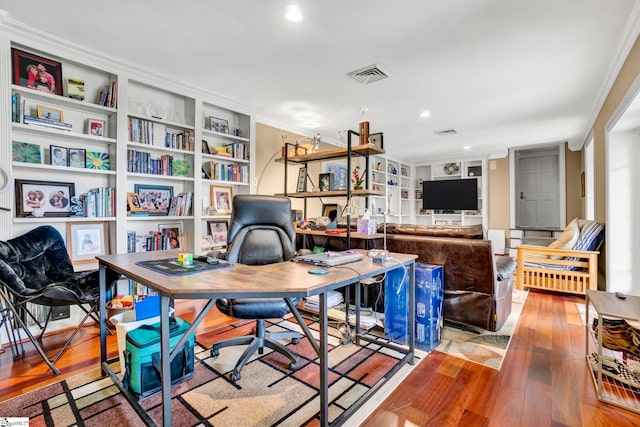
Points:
[(461, 231), (505, 267)]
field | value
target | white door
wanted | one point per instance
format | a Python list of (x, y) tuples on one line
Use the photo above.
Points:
[(537, 189)]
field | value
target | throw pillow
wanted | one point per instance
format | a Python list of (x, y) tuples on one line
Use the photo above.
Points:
[(568, 238)]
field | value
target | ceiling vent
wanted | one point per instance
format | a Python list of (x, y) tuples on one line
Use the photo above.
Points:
[(369, 74), (445, 132)]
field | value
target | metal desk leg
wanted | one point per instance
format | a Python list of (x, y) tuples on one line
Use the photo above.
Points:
[(165, 360), (324, 361), (103, 316)]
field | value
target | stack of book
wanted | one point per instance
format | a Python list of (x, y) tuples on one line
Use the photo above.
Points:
[(55, 124), (108, 97), (181, 204)]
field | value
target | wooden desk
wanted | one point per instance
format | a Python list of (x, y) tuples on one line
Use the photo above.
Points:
[(286, 280)]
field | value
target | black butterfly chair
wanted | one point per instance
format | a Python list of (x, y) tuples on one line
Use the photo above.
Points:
[(35, 269), (260, 232)]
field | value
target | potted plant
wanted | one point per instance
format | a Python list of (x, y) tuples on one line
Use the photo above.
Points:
[(357, 178)]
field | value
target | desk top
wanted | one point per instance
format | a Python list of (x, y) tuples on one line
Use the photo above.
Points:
[(608, 304), (343, 234), (249, 281)]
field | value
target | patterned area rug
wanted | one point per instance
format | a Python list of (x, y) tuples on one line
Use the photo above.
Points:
[(479, 345), (267, 394)]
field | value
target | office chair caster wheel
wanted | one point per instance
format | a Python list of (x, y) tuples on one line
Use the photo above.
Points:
[(295, 340), (234, 376), (293, 366), (215, 352)]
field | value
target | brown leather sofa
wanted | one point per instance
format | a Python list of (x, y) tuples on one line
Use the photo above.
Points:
[(478, 285)]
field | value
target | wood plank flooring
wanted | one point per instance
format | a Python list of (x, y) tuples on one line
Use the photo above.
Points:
[(544, 380)]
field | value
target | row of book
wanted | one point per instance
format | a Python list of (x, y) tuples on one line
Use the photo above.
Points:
[(221, 171), (181, 204), (143, 162), (108, 97), (237, 150), (99, 202), (152, 133), (18, 115), (152, 241)]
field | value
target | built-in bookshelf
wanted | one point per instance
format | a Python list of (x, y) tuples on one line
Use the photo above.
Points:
[(393, 179)]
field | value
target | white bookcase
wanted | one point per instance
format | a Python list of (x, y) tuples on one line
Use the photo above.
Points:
[(394, 179)]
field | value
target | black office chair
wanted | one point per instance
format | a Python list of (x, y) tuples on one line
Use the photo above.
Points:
[(35, 269), (260, 232)]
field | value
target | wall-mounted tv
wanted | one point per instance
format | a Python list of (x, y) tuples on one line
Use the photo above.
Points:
[(450, 194)]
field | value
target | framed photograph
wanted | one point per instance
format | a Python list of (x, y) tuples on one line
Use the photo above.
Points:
[(155, 199), (328, 207), (43, 198), (340, 176), (302, 180), (77, 157), (133, 202), (205, 174), (26, 152), (96, 127), (172, 234), (97, 160), (36, 72), (59, 156), (326, 181), (49, 113), (86, 240), (221, 197), (205, 147), (218, 125), (474, 171), (376, 140), (218, 232)]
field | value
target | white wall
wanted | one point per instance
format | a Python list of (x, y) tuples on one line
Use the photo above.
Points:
[(623, 216)]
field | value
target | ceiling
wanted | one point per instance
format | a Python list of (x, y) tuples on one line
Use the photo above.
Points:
[(502, 73)]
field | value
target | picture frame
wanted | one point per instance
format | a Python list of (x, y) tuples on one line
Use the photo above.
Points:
[(174, 238), (26, 152), (154, 199), (49, 113), (133, 203), (58, 155), (218, 230), (205, 147), (376, 139), (474, 171), (326, 182), (86, 240), (205, 174), (97, 160), (221, 197), (22, 63), (96, 127), (302, 180), (218, 125), (77, 158), (328, 207), (43, 198), (340, 175)]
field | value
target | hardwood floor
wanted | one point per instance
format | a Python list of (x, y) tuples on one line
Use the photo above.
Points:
[(544, 380)]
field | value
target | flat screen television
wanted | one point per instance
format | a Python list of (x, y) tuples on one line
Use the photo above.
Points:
[(450, 194)]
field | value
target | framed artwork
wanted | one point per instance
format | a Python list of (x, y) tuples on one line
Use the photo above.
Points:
[(218, 232), (36, 72), (77, 157), (205, 174), (326, 181), (302, 180), (97, 160), (86, 240), (155, 199), (59, 156), (340, 176), (43, 198), (205, 147), (218, 125), (173, 235), (25, 152), (221, 197), (133, 202), (95, 127), (376, 140), (49, 113), (474, 171), (328, 207)]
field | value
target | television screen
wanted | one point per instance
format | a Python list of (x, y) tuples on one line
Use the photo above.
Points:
[(450, 194)]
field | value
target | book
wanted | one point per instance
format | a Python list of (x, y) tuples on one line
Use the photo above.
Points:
[(75, 88)]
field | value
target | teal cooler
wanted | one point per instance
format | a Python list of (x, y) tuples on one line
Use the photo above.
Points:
[(142, 357), (429, 296)]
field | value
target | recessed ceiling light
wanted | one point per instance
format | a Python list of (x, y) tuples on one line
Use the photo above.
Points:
[(425, 114), (293, 14), (467, 147)]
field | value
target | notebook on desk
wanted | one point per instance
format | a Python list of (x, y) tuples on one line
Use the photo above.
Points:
[(329, 258)]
